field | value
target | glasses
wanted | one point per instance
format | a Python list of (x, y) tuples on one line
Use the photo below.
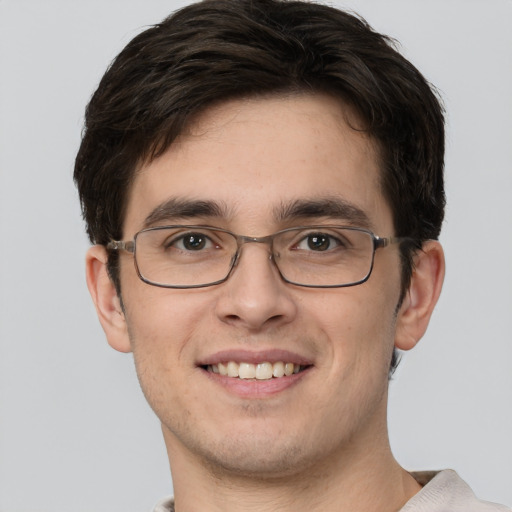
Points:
[(198, 256)]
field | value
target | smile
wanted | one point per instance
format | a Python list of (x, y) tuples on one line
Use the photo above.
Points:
[(259, 371)]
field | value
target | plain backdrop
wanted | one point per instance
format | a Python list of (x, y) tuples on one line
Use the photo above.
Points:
[(75, 431)]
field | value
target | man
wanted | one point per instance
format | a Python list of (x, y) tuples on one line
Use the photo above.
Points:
[(263, 183)]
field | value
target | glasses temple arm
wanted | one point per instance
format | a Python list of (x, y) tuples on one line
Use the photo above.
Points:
[(119, 245)]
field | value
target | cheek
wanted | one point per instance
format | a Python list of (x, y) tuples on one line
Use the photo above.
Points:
[(357, 329), (356, 311), (161, 329), (167, 329), (162, 320), (360, 326)]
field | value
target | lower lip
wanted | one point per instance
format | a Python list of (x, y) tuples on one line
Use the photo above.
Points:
[(254, 388)]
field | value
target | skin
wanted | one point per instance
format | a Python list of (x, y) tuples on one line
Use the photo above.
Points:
[(320, 443)]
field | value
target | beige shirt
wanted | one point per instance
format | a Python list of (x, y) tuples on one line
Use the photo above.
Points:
[(443, 491)]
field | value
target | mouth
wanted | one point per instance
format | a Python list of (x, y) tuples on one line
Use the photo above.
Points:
[(259, 374), (255, 371)]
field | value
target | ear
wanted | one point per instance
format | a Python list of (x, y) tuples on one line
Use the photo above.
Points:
[(106, 300), (421, 297)]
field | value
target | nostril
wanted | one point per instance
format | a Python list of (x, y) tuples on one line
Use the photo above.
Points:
[(275, 318)]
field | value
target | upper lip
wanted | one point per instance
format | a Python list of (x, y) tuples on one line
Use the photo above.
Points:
[(254, 357)]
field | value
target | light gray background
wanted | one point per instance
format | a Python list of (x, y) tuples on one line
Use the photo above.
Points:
[(74, 426)]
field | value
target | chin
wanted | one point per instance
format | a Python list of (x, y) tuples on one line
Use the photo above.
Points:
[(256, 460), (256, 453)]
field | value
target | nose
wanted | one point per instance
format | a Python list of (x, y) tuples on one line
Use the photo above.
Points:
[(255, 297)]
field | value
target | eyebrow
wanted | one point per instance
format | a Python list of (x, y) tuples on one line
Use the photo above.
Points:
[(331, 207), (175, 209)]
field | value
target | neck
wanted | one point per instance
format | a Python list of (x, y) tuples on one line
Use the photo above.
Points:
[(351, 480)]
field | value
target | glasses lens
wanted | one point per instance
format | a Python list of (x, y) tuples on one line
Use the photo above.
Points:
[(324, 256), (184, 256)]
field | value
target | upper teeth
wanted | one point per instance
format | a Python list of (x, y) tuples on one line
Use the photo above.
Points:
[(260, 371)]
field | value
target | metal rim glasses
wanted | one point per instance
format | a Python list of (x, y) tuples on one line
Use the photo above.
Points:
[(184, 256)]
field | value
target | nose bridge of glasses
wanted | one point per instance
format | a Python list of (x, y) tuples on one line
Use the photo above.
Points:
[(243, 240)]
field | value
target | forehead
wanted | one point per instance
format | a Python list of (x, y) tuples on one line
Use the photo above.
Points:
[(253, 157)]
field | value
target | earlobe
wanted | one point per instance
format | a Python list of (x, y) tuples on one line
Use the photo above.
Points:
[(422, 295), (105, 298)]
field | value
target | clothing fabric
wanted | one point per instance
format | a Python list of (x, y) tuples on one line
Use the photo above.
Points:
[(443, 491)]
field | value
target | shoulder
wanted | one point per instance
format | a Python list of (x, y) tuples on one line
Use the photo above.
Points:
[(164, 505), (445, 490)]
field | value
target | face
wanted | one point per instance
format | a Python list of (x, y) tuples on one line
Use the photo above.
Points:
[(254, 160)]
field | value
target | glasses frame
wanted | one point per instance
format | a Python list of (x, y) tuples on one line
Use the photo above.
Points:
[(130, 246)]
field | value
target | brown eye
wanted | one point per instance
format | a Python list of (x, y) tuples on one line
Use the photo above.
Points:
[(194, 242), (319, 242)]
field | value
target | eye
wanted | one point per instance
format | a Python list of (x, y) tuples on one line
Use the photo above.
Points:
[(319, 242), (190, 242)]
